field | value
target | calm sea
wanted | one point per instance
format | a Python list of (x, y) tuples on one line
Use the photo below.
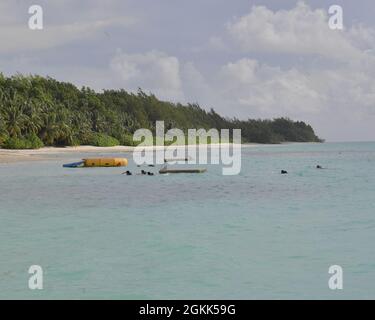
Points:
[(99, 234)]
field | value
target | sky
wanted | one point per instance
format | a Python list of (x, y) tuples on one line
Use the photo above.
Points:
[(244, 58)]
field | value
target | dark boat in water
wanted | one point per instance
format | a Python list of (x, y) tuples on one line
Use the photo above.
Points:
[(186, 170)]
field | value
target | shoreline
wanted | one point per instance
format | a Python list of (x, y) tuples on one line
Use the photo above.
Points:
[(45, 153), (26, 155)]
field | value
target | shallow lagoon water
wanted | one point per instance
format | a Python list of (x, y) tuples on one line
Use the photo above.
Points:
[(99, 234)]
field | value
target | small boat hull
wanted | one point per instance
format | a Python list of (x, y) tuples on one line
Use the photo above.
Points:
[(164, 171)]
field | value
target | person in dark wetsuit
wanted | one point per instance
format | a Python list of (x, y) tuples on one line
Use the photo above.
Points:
[(128, 173), (150, 174), (284, 172), (319, 166)]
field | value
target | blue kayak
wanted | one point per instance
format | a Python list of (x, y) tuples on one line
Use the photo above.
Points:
[(74, 164)]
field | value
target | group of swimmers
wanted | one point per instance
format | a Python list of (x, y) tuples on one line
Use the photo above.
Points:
[(143, 173), (317, 167)]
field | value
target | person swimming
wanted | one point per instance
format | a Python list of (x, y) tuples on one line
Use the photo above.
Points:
[(150, 174), (284, 172), (142, 173), (128, 173), (319, 166)]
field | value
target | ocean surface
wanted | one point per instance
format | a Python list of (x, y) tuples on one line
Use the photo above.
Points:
[(98, 234)]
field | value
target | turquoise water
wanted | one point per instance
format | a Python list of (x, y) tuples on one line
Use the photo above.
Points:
[(99, 234)]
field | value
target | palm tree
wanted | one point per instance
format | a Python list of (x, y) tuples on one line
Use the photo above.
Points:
[(14, 115), (50, 128), (81, 126), (34, 120), (64, 131)]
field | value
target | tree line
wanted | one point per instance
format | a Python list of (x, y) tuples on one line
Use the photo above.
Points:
[(40, 111)]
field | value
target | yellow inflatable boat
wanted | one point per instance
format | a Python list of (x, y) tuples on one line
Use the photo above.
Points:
[(98, 162), (105, 162)]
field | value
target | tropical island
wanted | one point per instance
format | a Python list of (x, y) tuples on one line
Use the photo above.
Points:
[(40, 111)]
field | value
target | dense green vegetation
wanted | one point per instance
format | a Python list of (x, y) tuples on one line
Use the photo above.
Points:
[(37, 111)]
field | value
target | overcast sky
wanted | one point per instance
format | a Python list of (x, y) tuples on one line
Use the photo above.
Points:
[(244, 58)]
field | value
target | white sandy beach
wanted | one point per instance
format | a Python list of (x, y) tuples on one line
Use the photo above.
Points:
[(9, 156)]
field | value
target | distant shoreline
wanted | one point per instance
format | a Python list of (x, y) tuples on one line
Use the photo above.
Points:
[(24, 155)]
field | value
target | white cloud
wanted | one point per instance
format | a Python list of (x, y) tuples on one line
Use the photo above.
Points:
[(22, 39), (300, 30), (196, 87), (267, 91), (270, 91), (335, 80), (153, 71), (64, 22), (342, 89), (362, 37)]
